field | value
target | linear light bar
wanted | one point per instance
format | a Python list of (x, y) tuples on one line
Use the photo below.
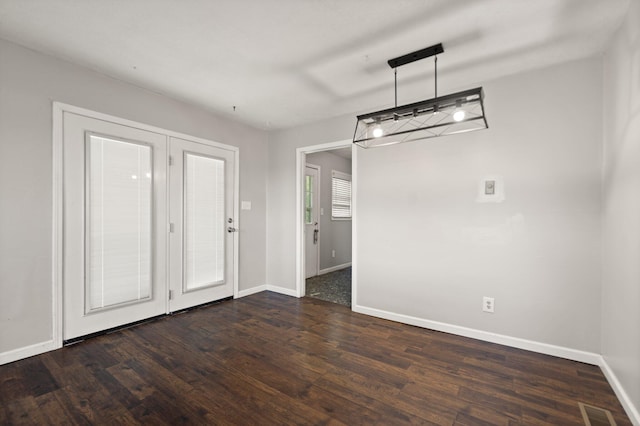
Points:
[(456, 113), (445, 115)]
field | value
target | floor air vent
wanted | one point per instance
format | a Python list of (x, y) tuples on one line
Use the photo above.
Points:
[(594, 416)]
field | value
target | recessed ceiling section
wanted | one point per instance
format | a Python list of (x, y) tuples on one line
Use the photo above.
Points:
[(288, 62)]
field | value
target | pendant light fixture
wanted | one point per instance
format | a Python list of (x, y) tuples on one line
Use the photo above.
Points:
[(455, 113)]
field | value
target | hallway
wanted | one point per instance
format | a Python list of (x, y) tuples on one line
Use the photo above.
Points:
[(332, 287)]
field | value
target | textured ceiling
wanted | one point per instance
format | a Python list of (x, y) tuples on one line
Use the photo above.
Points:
[(288, 62)]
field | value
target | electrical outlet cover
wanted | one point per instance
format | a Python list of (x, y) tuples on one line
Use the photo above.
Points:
[(488, 304)]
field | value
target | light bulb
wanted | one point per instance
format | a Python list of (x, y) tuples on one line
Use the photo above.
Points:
[(377, 132), (459, 115)]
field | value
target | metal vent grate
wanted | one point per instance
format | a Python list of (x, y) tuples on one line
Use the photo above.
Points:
[(594, 416)]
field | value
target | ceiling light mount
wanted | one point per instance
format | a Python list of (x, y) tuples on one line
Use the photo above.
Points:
[(416, 56), (455, 113)]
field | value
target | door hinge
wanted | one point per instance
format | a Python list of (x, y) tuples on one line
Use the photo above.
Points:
[(171, 160), (171, 227), (170, 294)]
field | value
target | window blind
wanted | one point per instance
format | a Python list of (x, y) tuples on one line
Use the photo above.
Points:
[(204, 228), (119, 222), (340, 195)]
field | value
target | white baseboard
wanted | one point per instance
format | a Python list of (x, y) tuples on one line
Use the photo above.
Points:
[(334, 268), (545, 348), (283, 290), (274, 288), (27, 351), (250, 291), (623, 397)]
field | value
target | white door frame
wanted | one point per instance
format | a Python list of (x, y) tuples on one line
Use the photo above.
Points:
[(59, 109), (301, 159)]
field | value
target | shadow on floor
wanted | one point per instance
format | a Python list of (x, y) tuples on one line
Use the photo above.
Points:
[(332, 287)]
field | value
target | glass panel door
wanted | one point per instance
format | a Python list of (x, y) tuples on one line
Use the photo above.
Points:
[(114, 225), (202, 215), (311, 222)]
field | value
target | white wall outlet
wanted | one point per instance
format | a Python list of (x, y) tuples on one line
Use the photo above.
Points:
[(321, 211), (333, 253), (487, 304)]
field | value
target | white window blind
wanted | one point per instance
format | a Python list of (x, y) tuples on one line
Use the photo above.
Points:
[(119, 222), (340, 195), (204, 228)]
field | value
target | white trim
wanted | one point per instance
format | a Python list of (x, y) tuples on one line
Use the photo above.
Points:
[(283, 290), (300, 163), (515, 342), (623, 396), (57, 226), (301, 160), (137, 125), (354, 226), (27, 351), (252, 290), (334, 268), (236, 219), (267, 287)]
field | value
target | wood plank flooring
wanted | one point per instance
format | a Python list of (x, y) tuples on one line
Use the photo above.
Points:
[(271, 359)]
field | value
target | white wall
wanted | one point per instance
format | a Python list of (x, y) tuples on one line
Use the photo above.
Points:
[(29, 83), (621, 208), (427, 250), (334, 234), (281, 192)]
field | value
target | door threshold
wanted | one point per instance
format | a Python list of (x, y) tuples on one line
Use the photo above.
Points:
[(80, 339), (203, 305)]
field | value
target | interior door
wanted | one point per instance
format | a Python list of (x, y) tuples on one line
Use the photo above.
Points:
[(114, 225), (311, 222), (203, 229)]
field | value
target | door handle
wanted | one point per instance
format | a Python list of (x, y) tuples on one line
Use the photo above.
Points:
[(231, 229), (315, 236)]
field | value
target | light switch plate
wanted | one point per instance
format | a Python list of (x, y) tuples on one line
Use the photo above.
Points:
[(489, 187), (245, 205)]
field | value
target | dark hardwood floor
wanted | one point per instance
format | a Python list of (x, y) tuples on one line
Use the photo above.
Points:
[(272, 359)]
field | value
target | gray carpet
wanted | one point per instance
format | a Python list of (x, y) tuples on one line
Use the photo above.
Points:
[(332, 287)]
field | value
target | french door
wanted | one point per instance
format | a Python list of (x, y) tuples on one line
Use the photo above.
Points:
[(201, 188), (146, 224)]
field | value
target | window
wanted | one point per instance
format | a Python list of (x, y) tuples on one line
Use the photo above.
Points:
[(119, 222), (340, 196), (204, 221), (308, 199)]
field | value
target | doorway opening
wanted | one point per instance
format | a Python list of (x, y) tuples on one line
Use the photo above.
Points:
[(325, 198)]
